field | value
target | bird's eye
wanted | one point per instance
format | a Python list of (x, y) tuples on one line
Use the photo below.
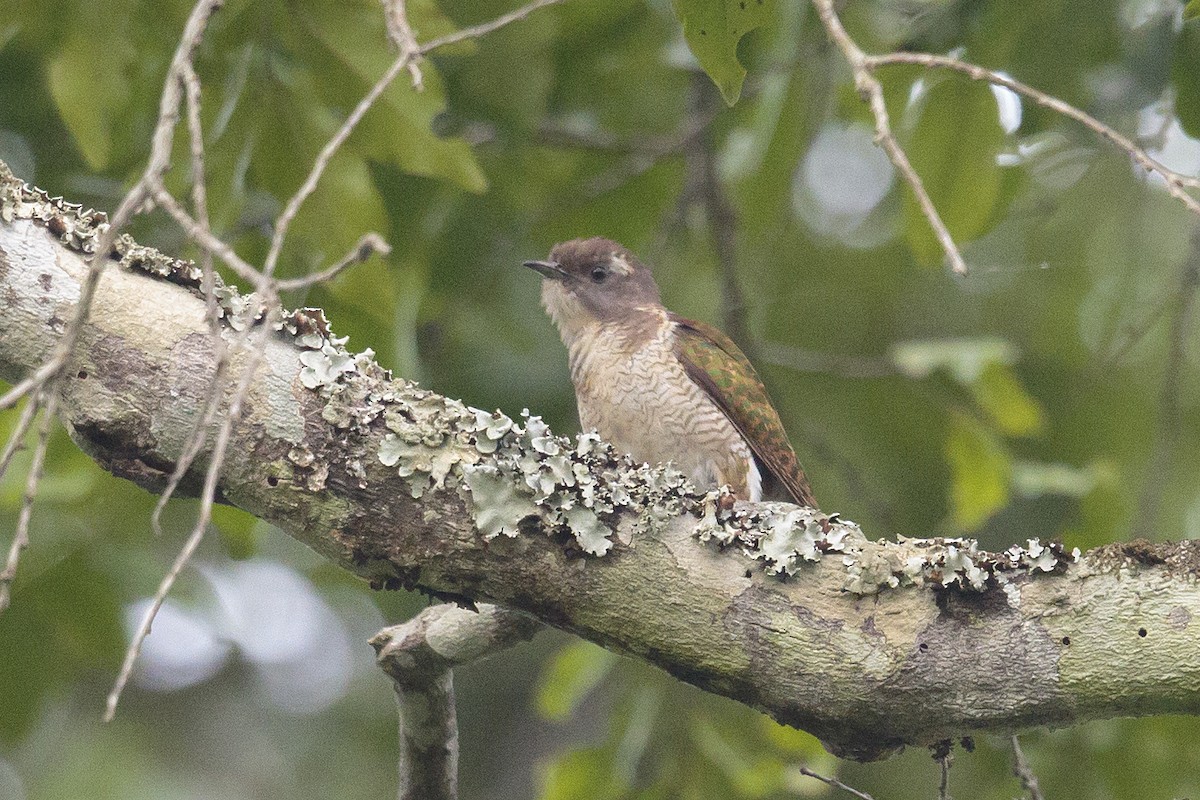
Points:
[(599, 274)]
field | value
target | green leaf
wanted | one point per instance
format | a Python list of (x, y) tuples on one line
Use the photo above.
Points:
[(713, 29), (1185, 74), (1001, 396), (953, 148), (1191, 11), (570, 676), (89, 97), (582, 775), (981, 471), (399, 129)]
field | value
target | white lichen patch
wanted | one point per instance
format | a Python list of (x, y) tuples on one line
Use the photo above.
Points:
[(150, 261), (239, 311), (785, 538), (81, 231), (323, 367), (576, 485), (78, 228)]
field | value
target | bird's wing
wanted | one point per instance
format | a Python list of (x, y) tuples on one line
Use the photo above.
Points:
[(716, 364)]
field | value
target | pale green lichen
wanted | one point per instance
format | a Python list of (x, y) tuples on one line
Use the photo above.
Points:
[(785, 538), (498, 505), (81, 230), (78, 228), (324, 366)]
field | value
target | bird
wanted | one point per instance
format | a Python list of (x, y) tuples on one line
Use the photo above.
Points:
[(661, 387)]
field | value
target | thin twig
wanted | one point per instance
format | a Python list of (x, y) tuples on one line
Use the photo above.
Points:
[(205, 237), (701, 168), (943, 754), (268, 288), (834, 782), (16, 439), (34, 476), (485, 28), (1022, 770), (324, 157), (1176, 182), (402, 62), (199, 433), (32, 383), (395, 14), (871, 90), (208, 281), (203, 517), (369, 244), (44, 382), (842, 366)]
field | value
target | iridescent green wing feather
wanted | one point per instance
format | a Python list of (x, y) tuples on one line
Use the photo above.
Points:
[(716, 364)]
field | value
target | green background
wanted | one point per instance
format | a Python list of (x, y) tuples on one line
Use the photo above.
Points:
[(1052, 392)]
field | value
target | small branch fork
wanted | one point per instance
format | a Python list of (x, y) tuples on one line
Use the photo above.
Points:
[(419, 656), (864, 67), (871, 90)]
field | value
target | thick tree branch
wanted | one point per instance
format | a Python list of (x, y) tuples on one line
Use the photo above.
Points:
[(869, 645)]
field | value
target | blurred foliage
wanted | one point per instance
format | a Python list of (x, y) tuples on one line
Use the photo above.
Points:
[(1022, 400)]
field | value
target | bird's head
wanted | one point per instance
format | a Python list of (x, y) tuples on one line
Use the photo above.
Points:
[(595, 280)]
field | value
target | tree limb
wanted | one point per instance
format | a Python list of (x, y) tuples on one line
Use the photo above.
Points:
[(868, 645), (419, 656)]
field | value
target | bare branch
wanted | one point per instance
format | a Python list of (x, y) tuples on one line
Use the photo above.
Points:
[(835, 783), (34, 476), (1024, 772), (871, 90), (485, 28), (313, 455), (1176, 182), (419, 656), (369, 244), (401, 32)]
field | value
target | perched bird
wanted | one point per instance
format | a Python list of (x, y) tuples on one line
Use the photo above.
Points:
[(658, 386)]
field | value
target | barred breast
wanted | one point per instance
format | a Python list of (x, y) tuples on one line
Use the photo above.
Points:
[(632, 389)]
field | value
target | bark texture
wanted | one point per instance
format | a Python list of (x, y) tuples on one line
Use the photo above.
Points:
[(868, 645)]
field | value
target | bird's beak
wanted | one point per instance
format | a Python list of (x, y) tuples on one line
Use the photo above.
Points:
[(548, 269)]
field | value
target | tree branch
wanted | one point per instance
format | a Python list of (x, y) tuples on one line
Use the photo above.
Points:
[(868, 645), (871, 90), (1177, 183), (419, 656)]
